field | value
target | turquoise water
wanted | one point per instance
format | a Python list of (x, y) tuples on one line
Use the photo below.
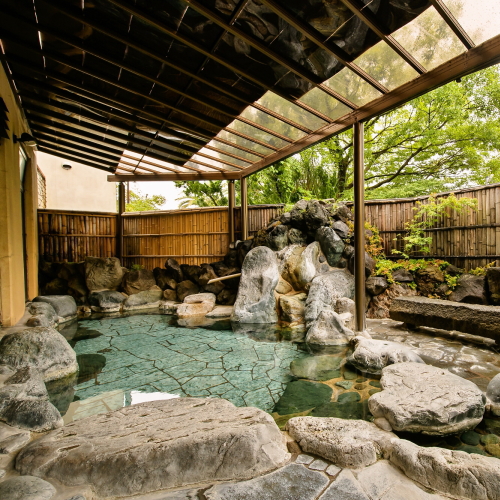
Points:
[(149, 353)]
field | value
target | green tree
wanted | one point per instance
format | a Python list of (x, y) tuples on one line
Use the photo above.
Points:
[(142, 202), (202, 194)]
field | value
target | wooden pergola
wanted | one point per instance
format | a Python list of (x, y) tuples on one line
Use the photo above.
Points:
[(220, 89)]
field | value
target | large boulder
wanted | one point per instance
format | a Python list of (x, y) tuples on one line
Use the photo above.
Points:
[(329, 329), (454, 473), (64, 305), (255, 302), (493, 282), (371, 356), (331, 244), (45, 310), (191, 273), (297, 214), (369, 264), (493, 394), (375, 285), (185, 288), (296, 237), (379, 305), (428, 279), (470, 289), (422, 398), (106, 301), (346, 443), (158, 445), (137, 281), (174, 270), (277, 239), (26, 488), (163, 280), (196, 305), (103, 274), (315, 215), (325, 290), (143, 300), (42, 348), (37, 415)]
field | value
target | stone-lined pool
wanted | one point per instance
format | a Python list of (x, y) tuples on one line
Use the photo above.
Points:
[(133, 358)]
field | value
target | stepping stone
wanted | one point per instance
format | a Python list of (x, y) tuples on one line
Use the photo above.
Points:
[(349, 397), (301, 396), (293, 481), (208, 437), (304, 459), (318, 465), (345, 384), (345, 487)]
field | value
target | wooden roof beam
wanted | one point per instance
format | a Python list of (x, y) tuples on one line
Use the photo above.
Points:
[(451, 21), (216, 176)]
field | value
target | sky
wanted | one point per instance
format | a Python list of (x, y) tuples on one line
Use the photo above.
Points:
[(165, 188)]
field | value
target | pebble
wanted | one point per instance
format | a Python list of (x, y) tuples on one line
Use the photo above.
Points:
[(490, 439), (348, 375), (493, 449), (333, 470), (371, 392), (345, 384), (360, 379), (318, 465), (349, 397), (472, 449), (375, 383), (359, 387), (304, 459)]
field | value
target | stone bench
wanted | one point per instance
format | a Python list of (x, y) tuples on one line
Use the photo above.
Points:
[(447, 315)]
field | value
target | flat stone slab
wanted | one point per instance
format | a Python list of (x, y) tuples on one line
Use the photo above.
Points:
[(346, 443), (447, 315), (455, 473), (426, 399), (221, 312), (158, 445), (291, 482)]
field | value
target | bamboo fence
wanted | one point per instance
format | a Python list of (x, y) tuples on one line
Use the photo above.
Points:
[(195, 236)]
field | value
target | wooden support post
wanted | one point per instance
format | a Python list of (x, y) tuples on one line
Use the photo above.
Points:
[(119, 221), (359, 226), (244, 208), (231, 203)]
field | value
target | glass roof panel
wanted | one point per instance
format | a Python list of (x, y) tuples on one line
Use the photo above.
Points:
[(481, 20), (244, 143), (352, 87), (224, 158), (268, 121), (258, 134), (272, 101), (203, 168), (429, 39), (386, 66), (327, 105), (235, 151)]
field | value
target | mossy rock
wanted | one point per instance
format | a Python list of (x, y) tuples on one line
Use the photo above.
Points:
[(472, 449), (302, 395), (493, 449), (316, 367), (375, 383), (345, 384), (360, 379), (470, 437), (349, 397), (371, 392), (349, 375), (351, 411), (490, 439)]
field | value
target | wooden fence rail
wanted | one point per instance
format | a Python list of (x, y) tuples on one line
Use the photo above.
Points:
[(195, 236)]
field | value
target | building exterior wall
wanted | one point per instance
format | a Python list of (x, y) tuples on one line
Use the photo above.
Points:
[(79, 188), (13, 258)]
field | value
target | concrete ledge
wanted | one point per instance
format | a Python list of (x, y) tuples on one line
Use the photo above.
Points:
[(447, 315)]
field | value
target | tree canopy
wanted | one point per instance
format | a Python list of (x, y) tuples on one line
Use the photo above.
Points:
[(142, 202), (444, 140)]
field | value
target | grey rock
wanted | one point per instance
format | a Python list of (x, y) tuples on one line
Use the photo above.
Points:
[(331, 245), (30, 381), (163, 280), (329, 329), (46, 310), (345, 487), (422, 398), (345, 305), (14, 442), (195, 440), (174, 270), (341, 228), (375, 285), (283, 287), (78, 497), (26, 488), (291, 482), (107, 300), (371, 356), (43, 349), (384, 481), (285, 218), (143, 300), (454, 473), (292, 307), (470, 289), (493, 282), (346, 443), (493, 389), (315, 215), (325, 290), (297, 214), (57, 286), (137, 281), (402, 276), (468, 318), (296, 237), (38, 320), (255, 302), (277, 239), (369, 265), (341, 211), (64, 305), (379, 305), (185, 288), (36, 415), (103, 274)]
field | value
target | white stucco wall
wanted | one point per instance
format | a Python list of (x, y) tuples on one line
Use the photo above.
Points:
[(80, 188)]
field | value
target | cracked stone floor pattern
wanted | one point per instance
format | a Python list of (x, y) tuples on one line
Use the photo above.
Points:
[(145, 353)]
